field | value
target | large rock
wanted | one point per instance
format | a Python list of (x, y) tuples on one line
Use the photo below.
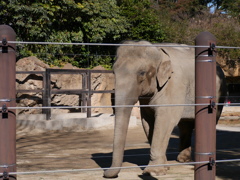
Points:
[(102, 81), (231, 69), (29, 82)]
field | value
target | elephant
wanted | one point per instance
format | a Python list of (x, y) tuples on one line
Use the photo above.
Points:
[(156, 75)]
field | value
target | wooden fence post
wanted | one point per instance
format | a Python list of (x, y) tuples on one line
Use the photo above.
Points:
[(7, 99), (47, 94), (205, 92), (83, 95), (89, 87)]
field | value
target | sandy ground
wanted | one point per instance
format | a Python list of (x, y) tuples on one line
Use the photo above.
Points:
[(92, 149)]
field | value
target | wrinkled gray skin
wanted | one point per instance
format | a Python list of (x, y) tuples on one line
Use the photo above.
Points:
[(154, 76)]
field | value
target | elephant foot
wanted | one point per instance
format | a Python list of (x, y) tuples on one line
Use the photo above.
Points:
[(185, 155), (158, 170), (111, 173), (155, 171)]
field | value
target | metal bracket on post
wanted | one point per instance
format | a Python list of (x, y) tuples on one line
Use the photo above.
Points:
[(5, 175), (211, 49), (4, 108), (212, 46), (4, 47), (211, 107), (211, 163), (4, 111)]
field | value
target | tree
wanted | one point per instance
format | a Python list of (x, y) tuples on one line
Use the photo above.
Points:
[(63, 21), (184, 20), (143, 19), (232, 7)]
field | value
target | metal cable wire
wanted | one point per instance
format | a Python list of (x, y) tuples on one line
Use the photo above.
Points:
[(118, 106), (113, 44), (99, 44), (130, 167)]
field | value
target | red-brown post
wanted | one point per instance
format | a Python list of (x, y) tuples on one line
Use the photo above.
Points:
[(7, 99), (205, 92)]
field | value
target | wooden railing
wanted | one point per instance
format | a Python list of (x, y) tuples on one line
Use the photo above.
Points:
[(86, 91)]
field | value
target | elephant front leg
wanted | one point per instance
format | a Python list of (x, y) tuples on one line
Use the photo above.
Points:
[(163, 127), (156, 170)]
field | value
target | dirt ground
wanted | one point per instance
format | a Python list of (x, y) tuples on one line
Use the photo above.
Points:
[(92, 149)]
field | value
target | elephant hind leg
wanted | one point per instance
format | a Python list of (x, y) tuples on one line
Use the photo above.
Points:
[(148, 129), (186, 129), (148, 121)]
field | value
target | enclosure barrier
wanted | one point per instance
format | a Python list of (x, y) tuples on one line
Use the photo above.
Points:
[(205, 116), (86, 92), (112, 44), (129, 167), (9, 168), (7, 99), (116, 106)]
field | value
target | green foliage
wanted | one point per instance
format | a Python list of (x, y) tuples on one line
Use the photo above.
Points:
[(63, 21), (184, 20), (232, 7), (144, 20), (111, 21)]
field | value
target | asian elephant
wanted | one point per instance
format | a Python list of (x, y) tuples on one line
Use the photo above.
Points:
[(155, 76)]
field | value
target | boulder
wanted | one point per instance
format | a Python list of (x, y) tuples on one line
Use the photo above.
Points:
[(231, 69), (29, 82)]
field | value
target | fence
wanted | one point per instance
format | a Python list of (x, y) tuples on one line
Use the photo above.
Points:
[(86, 91)]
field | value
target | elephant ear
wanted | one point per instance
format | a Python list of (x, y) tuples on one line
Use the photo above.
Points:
[(164, 70)]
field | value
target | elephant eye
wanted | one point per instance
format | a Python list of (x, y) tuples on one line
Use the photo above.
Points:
[(141, 76), (142, 73)]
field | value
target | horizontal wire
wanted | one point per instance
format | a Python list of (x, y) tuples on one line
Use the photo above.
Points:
[(99, 44), (112, 44), (117, 106), (227, 47), (130, 167), (68, 54)]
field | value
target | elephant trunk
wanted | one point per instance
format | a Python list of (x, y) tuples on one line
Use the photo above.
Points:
[(122, 116)]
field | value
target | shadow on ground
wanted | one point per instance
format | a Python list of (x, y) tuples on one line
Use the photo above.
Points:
[(228, 147)]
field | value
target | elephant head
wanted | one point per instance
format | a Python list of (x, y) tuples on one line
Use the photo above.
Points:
[(140, 70)]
